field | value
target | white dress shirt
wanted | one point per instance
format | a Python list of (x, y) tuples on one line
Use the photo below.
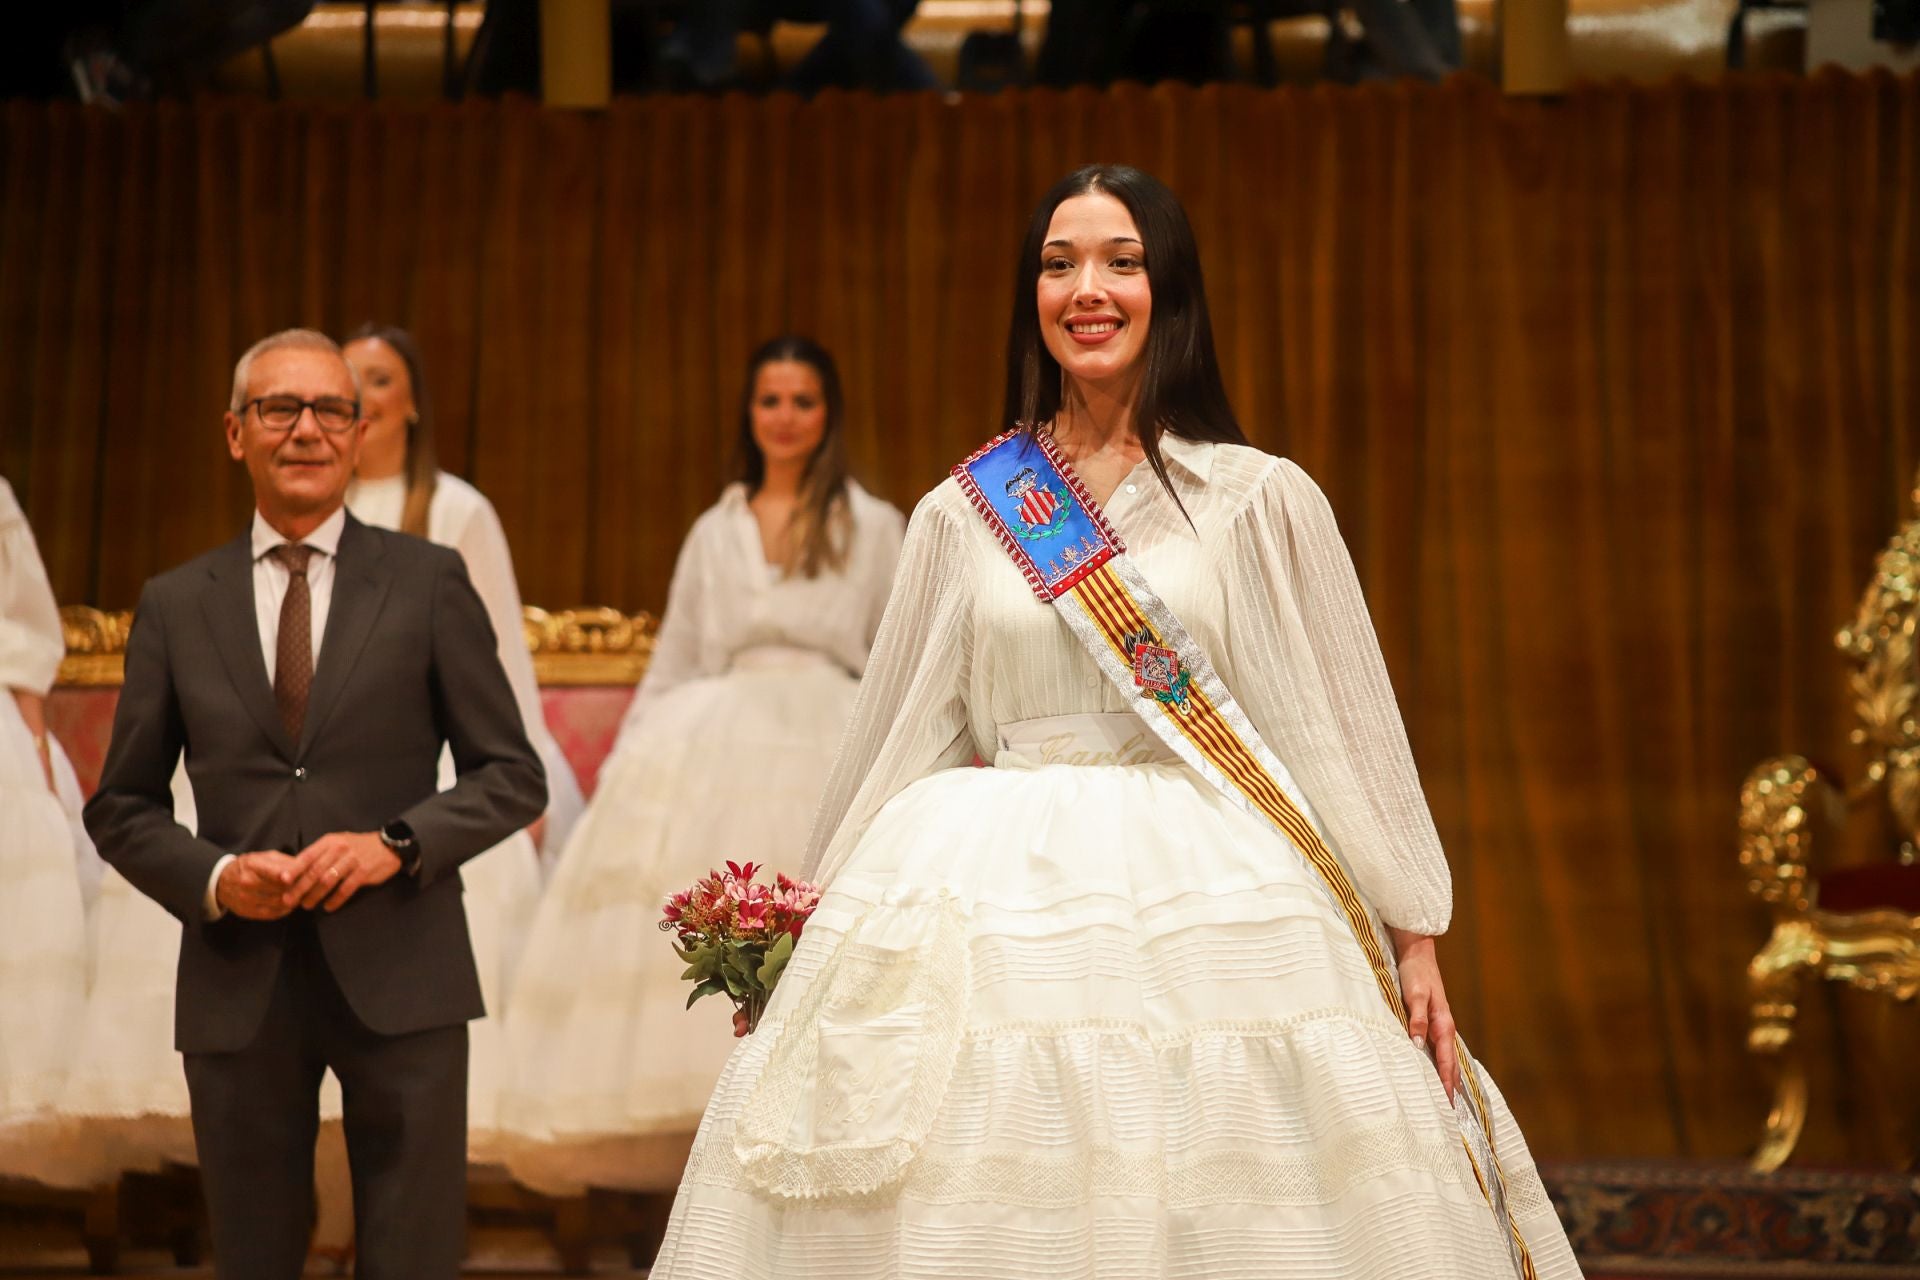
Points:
[(270, 579)]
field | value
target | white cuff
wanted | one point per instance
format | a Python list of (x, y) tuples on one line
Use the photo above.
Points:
[(212, 900)]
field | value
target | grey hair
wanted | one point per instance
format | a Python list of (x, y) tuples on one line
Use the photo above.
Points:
[(299, 339)]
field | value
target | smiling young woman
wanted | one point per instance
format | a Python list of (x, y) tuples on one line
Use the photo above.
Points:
[(1084, 1011)]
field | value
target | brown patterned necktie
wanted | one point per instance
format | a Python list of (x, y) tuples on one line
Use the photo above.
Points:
[(293, 654)]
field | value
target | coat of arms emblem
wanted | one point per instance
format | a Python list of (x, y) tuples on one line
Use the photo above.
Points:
[(1158, 673), (1042, 511)]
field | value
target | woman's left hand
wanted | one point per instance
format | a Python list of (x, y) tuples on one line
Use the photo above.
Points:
[(1429, 1016)]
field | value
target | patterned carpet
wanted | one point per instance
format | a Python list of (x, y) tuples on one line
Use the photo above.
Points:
[(1647, 1219), (1638, 1220)]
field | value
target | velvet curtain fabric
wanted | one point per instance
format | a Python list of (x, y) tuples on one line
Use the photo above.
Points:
[(1615, 396)]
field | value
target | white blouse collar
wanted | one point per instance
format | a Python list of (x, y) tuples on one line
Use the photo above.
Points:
[(1195, 457)]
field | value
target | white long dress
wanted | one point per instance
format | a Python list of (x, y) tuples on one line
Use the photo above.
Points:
[(1076, 1012), (722, 756), (503, 884), (43, 936), (124, 1105)]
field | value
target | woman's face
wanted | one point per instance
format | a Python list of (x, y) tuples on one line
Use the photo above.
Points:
[(1095, 300), (789, 410), (386, 396)]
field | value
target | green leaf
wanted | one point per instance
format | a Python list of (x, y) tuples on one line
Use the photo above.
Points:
[(702, 962), (776, 962), (711, 987)]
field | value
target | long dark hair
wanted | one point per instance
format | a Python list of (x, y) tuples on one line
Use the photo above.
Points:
[(422, 468), (1180, 387), (817, 537)]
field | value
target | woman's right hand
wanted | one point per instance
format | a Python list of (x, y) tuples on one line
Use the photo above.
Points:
[(739, 1024)]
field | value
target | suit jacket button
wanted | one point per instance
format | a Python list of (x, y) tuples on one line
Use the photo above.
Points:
[(300, 774)]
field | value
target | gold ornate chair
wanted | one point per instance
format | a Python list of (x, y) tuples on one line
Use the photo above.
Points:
[(1857, 925)]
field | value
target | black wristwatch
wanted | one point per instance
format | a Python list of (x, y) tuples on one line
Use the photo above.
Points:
[(398, 836)]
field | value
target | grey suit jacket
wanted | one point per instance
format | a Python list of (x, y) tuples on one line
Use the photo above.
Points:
[(407, 663)]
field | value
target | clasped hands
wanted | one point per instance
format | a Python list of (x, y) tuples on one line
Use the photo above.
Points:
[(327, 873)]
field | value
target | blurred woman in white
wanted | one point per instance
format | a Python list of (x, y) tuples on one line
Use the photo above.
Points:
[(398, 485), (722, 756), (42, 920)]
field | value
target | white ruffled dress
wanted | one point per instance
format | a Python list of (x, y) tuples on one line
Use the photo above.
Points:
[(722, 756), (124, 1105), (503, 885), (43, 856), (1076, 1014)]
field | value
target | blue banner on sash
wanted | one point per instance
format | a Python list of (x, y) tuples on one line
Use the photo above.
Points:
[(1044, 517)]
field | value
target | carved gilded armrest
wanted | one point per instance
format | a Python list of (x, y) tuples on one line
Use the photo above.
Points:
[(1778, 804), (96, 645), (589, 646), (1865, 945)]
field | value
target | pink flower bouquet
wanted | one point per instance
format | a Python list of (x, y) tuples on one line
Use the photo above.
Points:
[(737, 935)]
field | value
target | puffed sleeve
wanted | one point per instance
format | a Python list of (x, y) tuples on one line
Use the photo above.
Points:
[(884, 529), (1314, 683), (31, 644), (910, 717), (482, 544), (681, 651)]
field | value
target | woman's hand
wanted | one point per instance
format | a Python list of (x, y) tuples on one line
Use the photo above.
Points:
[(739, 1024), (1429, 1016)]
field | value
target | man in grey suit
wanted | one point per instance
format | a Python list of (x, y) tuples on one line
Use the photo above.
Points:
[(311, 671)]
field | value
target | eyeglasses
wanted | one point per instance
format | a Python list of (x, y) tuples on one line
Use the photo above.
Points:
[(279, 413)]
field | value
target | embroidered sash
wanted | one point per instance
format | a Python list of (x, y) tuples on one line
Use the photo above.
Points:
[(1072, 558)]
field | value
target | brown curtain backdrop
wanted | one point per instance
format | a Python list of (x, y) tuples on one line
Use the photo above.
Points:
[(1615, 396)]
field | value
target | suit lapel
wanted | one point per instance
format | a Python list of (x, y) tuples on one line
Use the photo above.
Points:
[(235, 623), (360, 580)]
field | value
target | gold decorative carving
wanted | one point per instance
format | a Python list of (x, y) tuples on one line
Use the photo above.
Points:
[(96, 645), (1782, 803), (570, 647), (1774, 834), (1885, 681), (589, 646)]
